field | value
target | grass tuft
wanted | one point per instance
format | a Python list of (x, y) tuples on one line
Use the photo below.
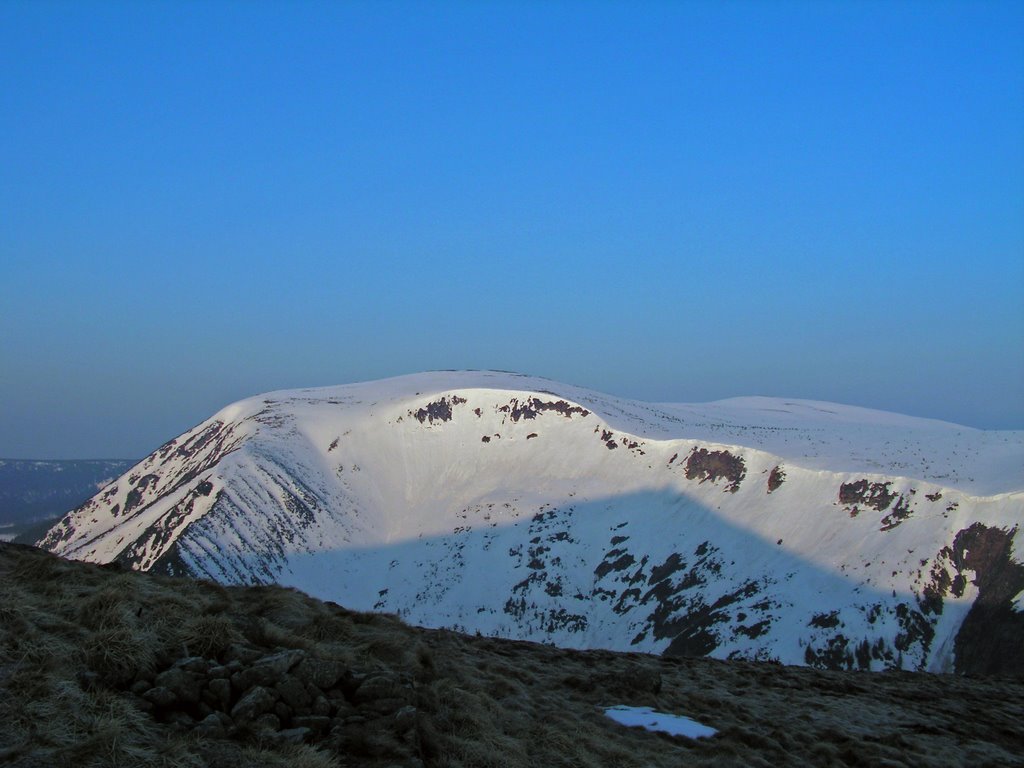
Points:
[(209, 635)]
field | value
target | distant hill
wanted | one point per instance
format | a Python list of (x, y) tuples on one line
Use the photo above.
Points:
[(32, 490), (103, 667), (757, 528)]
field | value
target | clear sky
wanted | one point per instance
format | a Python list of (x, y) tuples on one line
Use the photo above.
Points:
[(201, 201)]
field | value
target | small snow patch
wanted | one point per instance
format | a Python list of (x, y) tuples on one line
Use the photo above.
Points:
[(645, 717)]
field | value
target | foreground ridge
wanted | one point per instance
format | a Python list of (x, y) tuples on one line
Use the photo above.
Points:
[(108, 667)]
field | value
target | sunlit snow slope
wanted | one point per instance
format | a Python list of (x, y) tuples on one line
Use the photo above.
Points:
[(754, 528)]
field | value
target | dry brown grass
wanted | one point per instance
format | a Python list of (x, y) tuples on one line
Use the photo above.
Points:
[(72, 637)]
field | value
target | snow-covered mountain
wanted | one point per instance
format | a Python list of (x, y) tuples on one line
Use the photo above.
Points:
[(761, 528)]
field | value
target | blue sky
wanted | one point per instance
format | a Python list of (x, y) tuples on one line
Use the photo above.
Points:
[(202, 201)]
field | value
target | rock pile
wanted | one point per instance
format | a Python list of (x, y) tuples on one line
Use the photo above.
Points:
[(285, 697)]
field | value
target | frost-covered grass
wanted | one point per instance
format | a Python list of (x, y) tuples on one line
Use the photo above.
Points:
[(72, 635)]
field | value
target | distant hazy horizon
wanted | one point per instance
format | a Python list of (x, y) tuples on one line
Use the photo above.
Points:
[(671, 202)]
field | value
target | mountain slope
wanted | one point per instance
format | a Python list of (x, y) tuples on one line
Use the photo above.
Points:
[(111, 668), (524, 508)]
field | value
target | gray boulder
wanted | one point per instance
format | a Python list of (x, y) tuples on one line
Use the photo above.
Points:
[(256, 702)]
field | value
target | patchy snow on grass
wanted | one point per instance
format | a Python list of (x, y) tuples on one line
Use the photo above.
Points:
[(645, 717)]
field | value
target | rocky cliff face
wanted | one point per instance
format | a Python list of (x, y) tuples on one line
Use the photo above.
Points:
[(522, 508)]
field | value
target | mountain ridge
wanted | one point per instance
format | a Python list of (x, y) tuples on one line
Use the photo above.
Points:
[(520, 507)]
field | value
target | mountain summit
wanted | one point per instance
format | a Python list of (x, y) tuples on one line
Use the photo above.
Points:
[(755, 528)]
